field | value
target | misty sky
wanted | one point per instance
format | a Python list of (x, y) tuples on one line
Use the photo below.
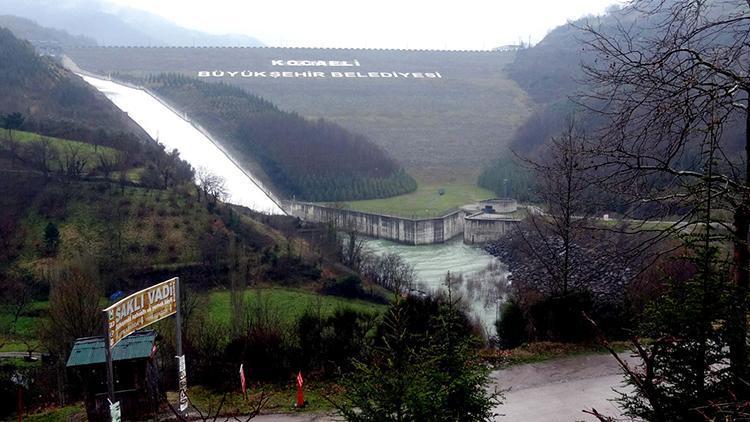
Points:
[(468, 24)]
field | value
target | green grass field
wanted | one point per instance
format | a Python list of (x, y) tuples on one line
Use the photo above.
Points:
[(25, 329), (426, 201), (290, 304), (74, 412), (65, 149)]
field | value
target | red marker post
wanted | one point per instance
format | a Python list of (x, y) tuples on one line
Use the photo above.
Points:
[(300, 392), (243, 383)]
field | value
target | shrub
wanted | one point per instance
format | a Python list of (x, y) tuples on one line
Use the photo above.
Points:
[(349, 287), (560, 318), (51, 239), (512, 326), (328, 344)]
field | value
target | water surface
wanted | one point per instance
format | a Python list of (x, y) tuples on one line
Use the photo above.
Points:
[(484, 277)]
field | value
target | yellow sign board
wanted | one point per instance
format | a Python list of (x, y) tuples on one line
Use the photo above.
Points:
[(141, 309)]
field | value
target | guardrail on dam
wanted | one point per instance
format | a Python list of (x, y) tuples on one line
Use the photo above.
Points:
[(423, 231)]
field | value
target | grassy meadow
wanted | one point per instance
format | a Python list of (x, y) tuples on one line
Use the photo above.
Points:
[(426, 201), (288, 304)]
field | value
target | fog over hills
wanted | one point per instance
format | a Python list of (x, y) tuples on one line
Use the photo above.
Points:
[(115, 25), (29, 30)]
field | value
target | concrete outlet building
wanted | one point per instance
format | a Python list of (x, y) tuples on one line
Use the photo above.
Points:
[(489, 220)]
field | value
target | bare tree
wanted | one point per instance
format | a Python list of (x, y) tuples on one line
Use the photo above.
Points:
[(239, 272), (666, 86), (551, 239), (42, 154), (107, 164), (390, 271), (74, 305), (73, 163), (16, 300), (212, 186), (353, 250)]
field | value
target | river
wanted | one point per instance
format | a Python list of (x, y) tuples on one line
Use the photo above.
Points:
[(482, 282), (173, 131), (480, 272)]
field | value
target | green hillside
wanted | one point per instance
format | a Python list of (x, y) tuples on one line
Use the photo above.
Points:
[(85, 198)]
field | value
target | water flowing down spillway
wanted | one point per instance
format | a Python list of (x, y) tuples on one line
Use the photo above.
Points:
[(173, 131), (484, 276)]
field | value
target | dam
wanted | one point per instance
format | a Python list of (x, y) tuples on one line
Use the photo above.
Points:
[(477, 223)]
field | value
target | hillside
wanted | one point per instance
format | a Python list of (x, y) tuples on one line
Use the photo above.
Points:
[(54, 101), (41, 36), (552, 72), (82, 194), (312, 160), (453, 112), (108, 24)]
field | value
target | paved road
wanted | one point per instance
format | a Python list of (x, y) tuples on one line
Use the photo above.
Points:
[(552, 391), (558, 390)]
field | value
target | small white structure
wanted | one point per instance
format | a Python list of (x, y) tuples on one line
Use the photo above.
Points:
[(489, 220)]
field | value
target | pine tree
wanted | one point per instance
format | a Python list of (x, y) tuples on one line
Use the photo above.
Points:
[(395, 384), (422, 367), (51, 239)]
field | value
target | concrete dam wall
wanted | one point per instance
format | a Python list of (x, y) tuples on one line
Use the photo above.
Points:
[(398, 229)]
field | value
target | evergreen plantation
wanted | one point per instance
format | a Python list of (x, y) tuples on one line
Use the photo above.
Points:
[(312, 160)]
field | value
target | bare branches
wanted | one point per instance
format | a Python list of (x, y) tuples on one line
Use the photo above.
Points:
[(259, 402), (212, 186)]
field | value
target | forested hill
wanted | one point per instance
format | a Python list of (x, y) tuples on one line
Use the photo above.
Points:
[(551, 72), (312, 160), (53, 100), (83, 186)]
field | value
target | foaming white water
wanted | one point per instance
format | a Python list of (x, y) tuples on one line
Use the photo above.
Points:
[(173, 131), (484, 276)]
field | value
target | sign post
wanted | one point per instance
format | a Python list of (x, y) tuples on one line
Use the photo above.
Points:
[(181, 369), (110, 370), (182, 383), (138, 311), (115, 411)]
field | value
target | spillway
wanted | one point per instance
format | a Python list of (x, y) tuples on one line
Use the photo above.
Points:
[(173, 131)]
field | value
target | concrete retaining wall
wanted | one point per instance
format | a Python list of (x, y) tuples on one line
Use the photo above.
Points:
[(478, 230), (403, 230)]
